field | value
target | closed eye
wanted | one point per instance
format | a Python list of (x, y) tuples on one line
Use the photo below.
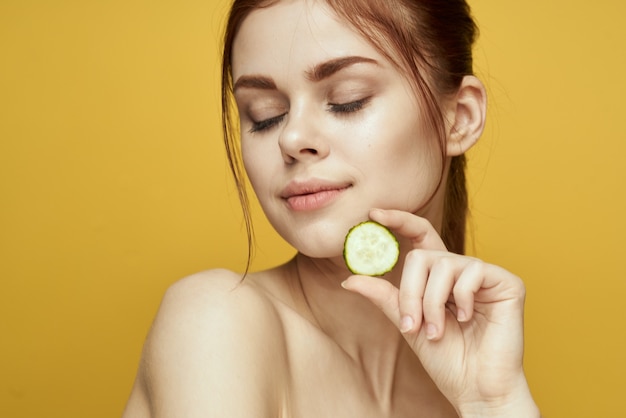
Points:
[(350, 107), (266, 124)]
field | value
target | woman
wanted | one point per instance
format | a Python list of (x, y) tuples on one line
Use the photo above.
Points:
[(348, 110)]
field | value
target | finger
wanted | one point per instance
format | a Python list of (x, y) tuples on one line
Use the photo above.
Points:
[(469, 282), (379, 291), (412, 286), (437, 293), (419, 230)]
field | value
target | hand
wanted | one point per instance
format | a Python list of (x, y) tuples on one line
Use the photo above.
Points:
[(461, 316)]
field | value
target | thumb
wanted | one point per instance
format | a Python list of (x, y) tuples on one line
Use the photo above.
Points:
[(379, 291)]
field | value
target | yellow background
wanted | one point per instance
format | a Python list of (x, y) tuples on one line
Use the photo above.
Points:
[(113, 185)]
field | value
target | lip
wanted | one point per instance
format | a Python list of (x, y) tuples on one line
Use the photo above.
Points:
[(312, 194)]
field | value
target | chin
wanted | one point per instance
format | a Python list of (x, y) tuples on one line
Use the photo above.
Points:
[(322, 247), (321, 253), (318, 241), (320, 234)]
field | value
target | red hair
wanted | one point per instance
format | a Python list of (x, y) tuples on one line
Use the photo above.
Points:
[(430, 41)]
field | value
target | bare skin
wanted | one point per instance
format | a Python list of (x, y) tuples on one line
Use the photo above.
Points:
[(323, 143), (267, 347), (285, 365)]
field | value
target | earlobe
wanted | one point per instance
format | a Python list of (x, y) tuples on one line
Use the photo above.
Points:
[(468, 112)]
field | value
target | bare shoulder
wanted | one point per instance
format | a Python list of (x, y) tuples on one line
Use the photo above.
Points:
[(213, 290), (217, 300), (216, 349)]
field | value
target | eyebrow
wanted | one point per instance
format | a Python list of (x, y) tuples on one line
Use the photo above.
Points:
[(254, 82), (328, 68), (316, 74)]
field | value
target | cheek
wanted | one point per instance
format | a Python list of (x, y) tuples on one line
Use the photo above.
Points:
[(403, 164), (400, 147), (254, 167)]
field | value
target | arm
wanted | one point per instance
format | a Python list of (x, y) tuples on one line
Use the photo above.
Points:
[(216, 349)]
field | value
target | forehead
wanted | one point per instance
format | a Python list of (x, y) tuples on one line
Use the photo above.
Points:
[(294, 35)]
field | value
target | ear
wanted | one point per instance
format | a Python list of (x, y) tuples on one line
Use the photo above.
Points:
[(467, 113)]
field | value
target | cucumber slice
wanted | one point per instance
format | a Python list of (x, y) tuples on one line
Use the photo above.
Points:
[(370, 249)]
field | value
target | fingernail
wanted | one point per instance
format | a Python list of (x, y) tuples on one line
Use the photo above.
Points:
[(461, 316), (406, 324), (431, 331)]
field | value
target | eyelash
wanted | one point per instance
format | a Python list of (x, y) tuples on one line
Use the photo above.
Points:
[(341, 108), (266, 124), (350, 107)]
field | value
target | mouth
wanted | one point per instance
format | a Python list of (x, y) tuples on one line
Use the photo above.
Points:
[(312, 195)]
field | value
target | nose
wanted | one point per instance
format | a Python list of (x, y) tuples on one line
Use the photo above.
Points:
[(301, 138)]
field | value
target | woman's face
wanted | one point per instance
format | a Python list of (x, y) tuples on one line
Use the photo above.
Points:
[(329, 127)]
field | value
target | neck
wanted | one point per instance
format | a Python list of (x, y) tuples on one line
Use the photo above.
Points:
[(358, 327), (352, 322)]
